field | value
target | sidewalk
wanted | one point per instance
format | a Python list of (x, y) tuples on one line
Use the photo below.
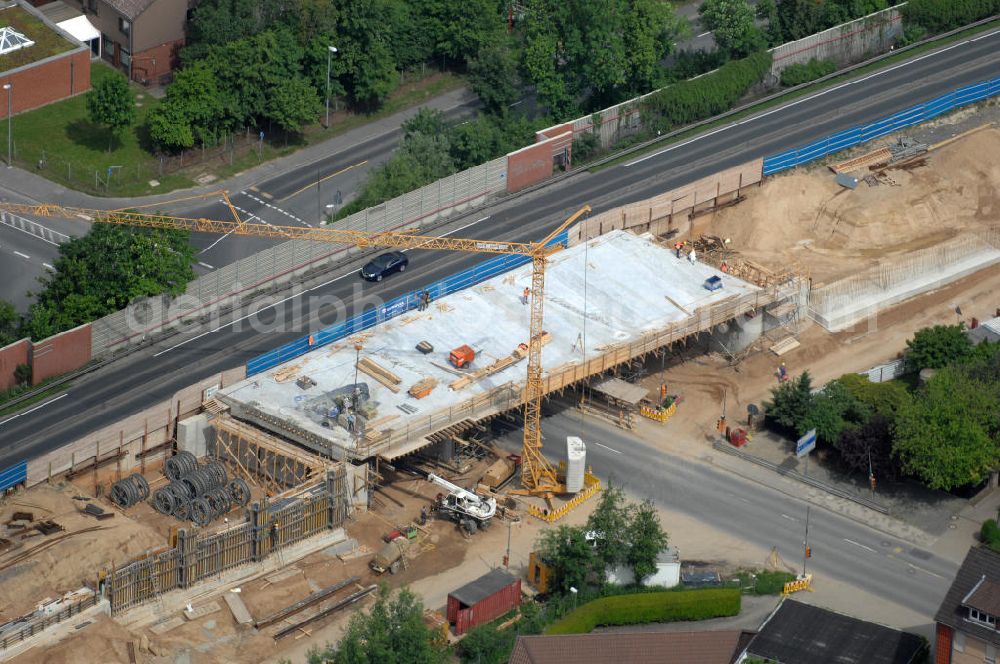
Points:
[(19, 183)]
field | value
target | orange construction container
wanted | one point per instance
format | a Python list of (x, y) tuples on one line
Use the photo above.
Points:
[(462, 356)]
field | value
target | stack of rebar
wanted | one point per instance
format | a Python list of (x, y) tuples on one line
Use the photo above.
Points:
[(199, 493), (130, 491)]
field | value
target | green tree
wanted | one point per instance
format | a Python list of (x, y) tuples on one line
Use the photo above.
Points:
[(941, 15), (110, 104), (191, 112), (570, 555), (832, 410), (936, 347), (609, 524), (462, 27), (870, 445), (22, 374), (365, 54), (393, 632), (10, 323), (105, 270), (292, 103), (646, 539), (733, 26), (493, 76), (886, 398), (216, 22), (791, 403), (485, 644), (946, 435)]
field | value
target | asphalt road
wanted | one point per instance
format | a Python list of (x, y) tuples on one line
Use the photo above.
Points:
[(843, 550), (153, 375)]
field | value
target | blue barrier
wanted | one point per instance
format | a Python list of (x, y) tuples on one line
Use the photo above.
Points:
[(16, 474), (915, 115), (395, 307)]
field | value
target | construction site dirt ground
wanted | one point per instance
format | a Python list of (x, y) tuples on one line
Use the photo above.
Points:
[(804, 221)]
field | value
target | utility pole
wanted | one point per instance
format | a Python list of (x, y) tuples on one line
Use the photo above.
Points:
[(506, 558), (871, 475), (330, 50), (9, 87), (806, 552)]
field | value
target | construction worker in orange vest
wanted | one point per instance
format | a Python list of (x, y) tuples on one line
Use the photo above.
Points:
[(526, 295)]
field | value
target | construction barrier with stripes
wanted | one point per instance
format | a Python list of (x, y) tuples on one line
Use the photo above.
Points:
[(591, 485)]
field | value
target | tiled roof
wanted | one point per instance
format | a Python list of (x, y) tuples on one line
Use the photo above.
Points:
[(986, 597), (798, 633), (132, 8), (719, 647), (980, 562)]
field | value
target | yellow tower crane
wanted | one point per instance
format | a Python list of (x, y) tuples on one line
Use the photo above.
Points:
[(538, 477)]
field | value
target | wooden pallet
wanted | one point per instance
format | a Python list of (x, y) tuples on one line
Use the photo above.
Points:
[(784, 346), (880, 156)]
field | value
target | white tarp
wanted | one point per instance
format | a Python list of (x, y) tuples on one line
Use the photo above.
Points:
[(80, 29)]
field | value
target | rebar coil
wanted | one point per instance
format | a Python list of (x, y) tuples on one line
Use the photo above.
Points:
[(239, 491), (179, 465), (130, 491)]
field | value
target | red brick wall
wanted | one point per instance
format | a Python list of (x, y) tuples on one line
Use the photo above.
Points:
[(61, 353), (552, 132), (528, 166), (11, 356), (45, 83), (154, 62), (942, 645)]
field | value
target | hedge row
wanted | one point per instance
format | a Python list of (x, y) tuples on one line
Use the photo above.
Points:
[(700, 98), (990, 534), (665, 606), (942, 15), (803, 72)]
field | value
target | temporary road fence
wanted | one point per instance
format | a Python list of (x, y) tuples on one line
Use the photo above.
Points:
[(914, 115)]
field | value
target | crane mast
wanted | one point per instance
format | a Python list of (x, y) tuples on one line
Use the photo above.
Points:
[(538, 477)]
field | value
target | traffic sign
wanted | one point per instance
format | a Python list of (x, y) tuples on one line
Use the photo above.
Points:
[(806, 443)]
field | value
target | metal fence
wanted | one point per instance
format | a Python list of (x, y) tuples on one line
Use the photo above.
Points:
[(395, 307), (887, 371), (914, 115), (269, 527), (40, 624)]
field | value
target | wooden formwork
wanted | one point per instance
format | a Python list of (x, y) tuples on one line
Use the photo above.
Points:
[(414, 434), (263, 459), (269, 528)]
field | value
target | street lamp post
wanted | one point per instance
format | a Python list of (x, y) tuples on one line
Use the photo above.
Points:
[(9, 87), (330, 50)]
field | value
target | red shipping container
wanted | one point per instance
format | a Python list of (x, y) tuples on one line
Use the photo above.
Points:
[(485, 599)]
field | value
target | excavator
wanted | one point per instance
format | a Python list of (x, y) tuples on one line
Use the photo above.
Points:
[(470, 511)]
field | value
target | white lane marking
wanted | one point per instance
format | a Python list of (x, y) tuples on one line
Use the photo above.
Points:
[(25, 256), (276, 208), (35, 408), (608, 448), (325, 283), (744, 500), (707, 32), (206, 265), (811, 97), (858, 544), (790, 518), (46, 265), (274, 304), (216, 242)]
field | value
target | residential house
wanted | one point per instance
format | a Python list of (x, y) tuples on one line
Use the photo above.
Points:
[(798, 633), (141, 37), (967, 620), (720, 647)]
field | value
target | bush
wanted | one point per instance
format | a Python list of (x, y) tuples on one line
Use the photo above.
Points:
[(990, 534), (937, 347), (800, 73), (942, 15), (665, 606), (700, 98)]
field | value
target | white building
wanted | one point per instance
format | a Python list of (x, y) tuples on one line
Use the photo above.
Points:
[(667, 575)]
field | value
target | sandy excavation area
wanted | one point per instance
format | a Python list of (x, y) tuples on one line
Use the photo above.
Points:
[(805, 221)]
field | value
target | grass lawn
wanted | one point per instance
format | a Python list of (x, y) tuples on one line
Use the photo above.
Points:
[(61, 144)]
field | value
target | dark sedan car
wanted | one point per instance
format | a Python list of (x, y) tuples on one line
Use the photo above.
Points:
[(384, 265)]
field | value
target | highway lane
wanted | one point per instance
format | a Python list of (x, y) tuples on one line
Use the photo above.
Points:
[(24, 259), (143, 379), (843, 550)]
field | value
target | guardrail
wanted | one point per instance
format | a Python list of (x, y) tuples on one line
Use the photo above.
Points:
[(395, 307), (805, 479), (914, 115)]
